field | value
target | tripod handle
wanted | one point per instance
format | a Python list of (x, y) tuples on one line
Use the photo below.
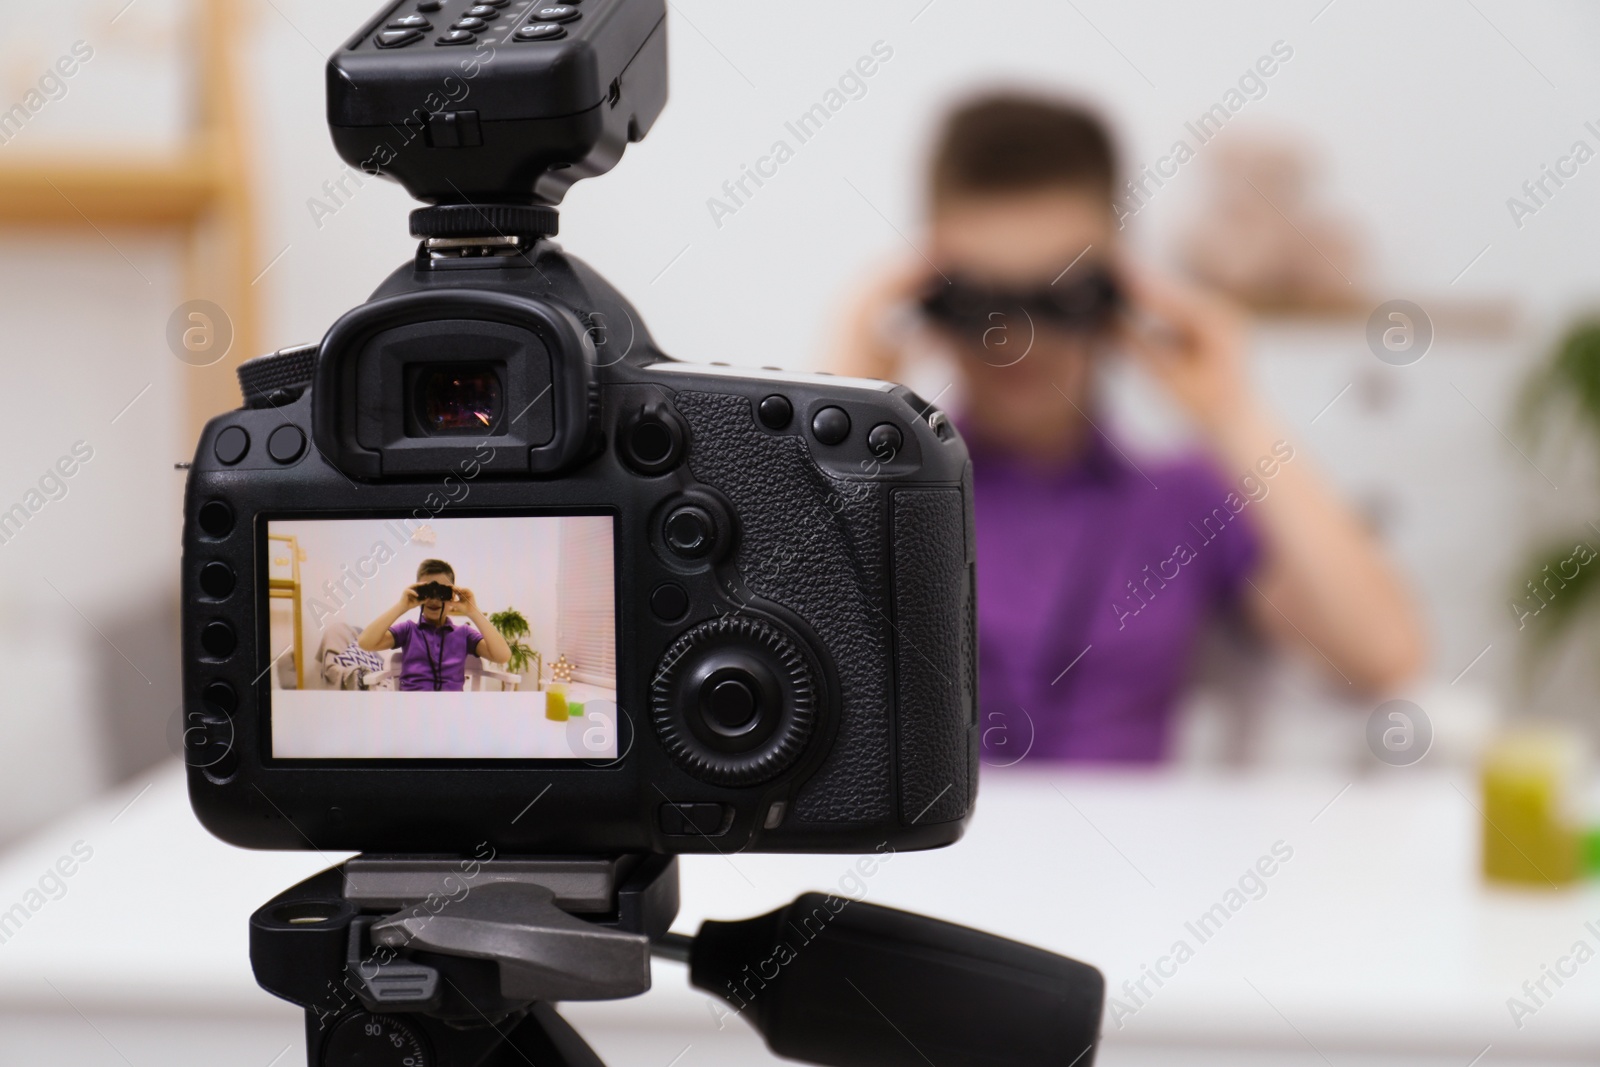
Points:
[(847, 984)]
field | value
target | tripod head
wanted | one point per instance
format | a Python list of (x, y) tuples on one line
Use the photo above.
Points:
[(438, 962)]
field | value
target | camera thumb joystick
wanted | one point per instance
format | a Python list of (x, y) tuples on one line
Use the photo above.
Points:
[(833, 981)]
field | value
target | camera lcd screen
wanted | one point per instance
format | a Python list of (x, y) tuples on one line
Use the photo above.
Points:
[(462, 638)]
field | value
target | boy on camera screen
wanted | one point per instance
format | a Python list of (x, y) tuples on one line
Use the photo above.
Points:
[(434, 650)]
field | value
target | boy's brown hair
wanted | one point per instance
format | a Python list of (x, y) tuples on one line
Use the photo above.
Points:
[(1010, 142), (435, 566)]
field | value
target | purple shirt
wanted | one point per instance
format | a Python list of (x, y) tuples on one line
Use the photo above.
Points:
[(1093, 586), (434, 658)]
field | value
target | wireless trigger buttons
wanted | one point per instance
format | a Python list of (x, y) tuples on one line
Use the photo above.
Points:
[(651, 440)]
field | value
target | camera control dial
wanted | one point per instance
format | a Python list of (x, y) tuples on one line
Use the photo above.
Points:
[(734, 701)]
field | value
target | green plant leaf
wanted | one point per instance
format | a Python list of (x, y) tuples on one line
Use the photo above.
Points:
[(511, 623), (1551, 609), (1568, 384)]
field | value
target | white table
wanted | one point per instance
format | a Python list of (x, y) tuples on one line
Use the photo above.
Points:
[(1374, 944)]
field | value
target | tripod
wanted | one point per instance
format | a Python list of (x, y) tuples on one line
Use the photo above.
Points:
[(407, 961)]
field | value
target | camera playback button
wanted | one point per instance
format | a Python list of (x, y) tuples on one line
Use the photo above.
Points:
[(696, 820)]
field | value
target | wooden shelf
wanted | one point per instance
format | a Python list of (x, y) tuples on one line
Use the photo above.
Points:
[(202, 192), (137, 191)]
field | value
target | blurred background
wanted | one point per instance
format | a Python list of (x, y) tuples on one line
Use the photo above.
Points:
[(185, 159)]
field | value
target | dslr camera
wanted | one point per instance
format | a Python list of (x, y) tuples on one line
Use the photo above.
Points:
[(691, 608)]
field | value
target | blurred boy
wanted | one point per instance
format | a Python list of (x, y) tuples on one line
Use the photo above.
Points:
[(434, 650), (1096, 572)]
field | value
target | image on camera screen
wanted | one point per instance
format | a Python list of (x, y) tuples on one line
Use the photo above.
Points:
[(462, 638)]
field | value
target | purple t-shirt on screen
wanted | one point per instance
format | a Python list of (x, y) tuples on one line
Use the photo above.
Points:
[(434, 658), (1094, 581)]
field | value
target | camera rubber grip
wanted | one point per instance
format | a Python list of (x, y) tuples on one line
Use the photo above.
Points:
[(935, 680), (814, 544)]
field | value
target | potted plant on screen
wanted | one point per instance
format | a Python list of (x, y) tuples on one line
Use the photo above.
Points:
[(513, 625)]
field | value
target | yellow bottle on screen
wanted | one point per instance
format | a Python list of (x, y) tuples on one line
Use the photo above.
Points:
[(555, 704), (1531, 832)]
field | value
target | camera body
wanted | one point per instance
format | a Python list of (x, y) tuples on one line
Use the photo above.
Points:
[(764, 580)]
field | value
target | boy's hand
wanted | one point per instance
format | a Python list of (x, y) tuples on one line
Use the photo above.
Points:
[(1190, 341), (409, 598), (866, 349), (464, 603)]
